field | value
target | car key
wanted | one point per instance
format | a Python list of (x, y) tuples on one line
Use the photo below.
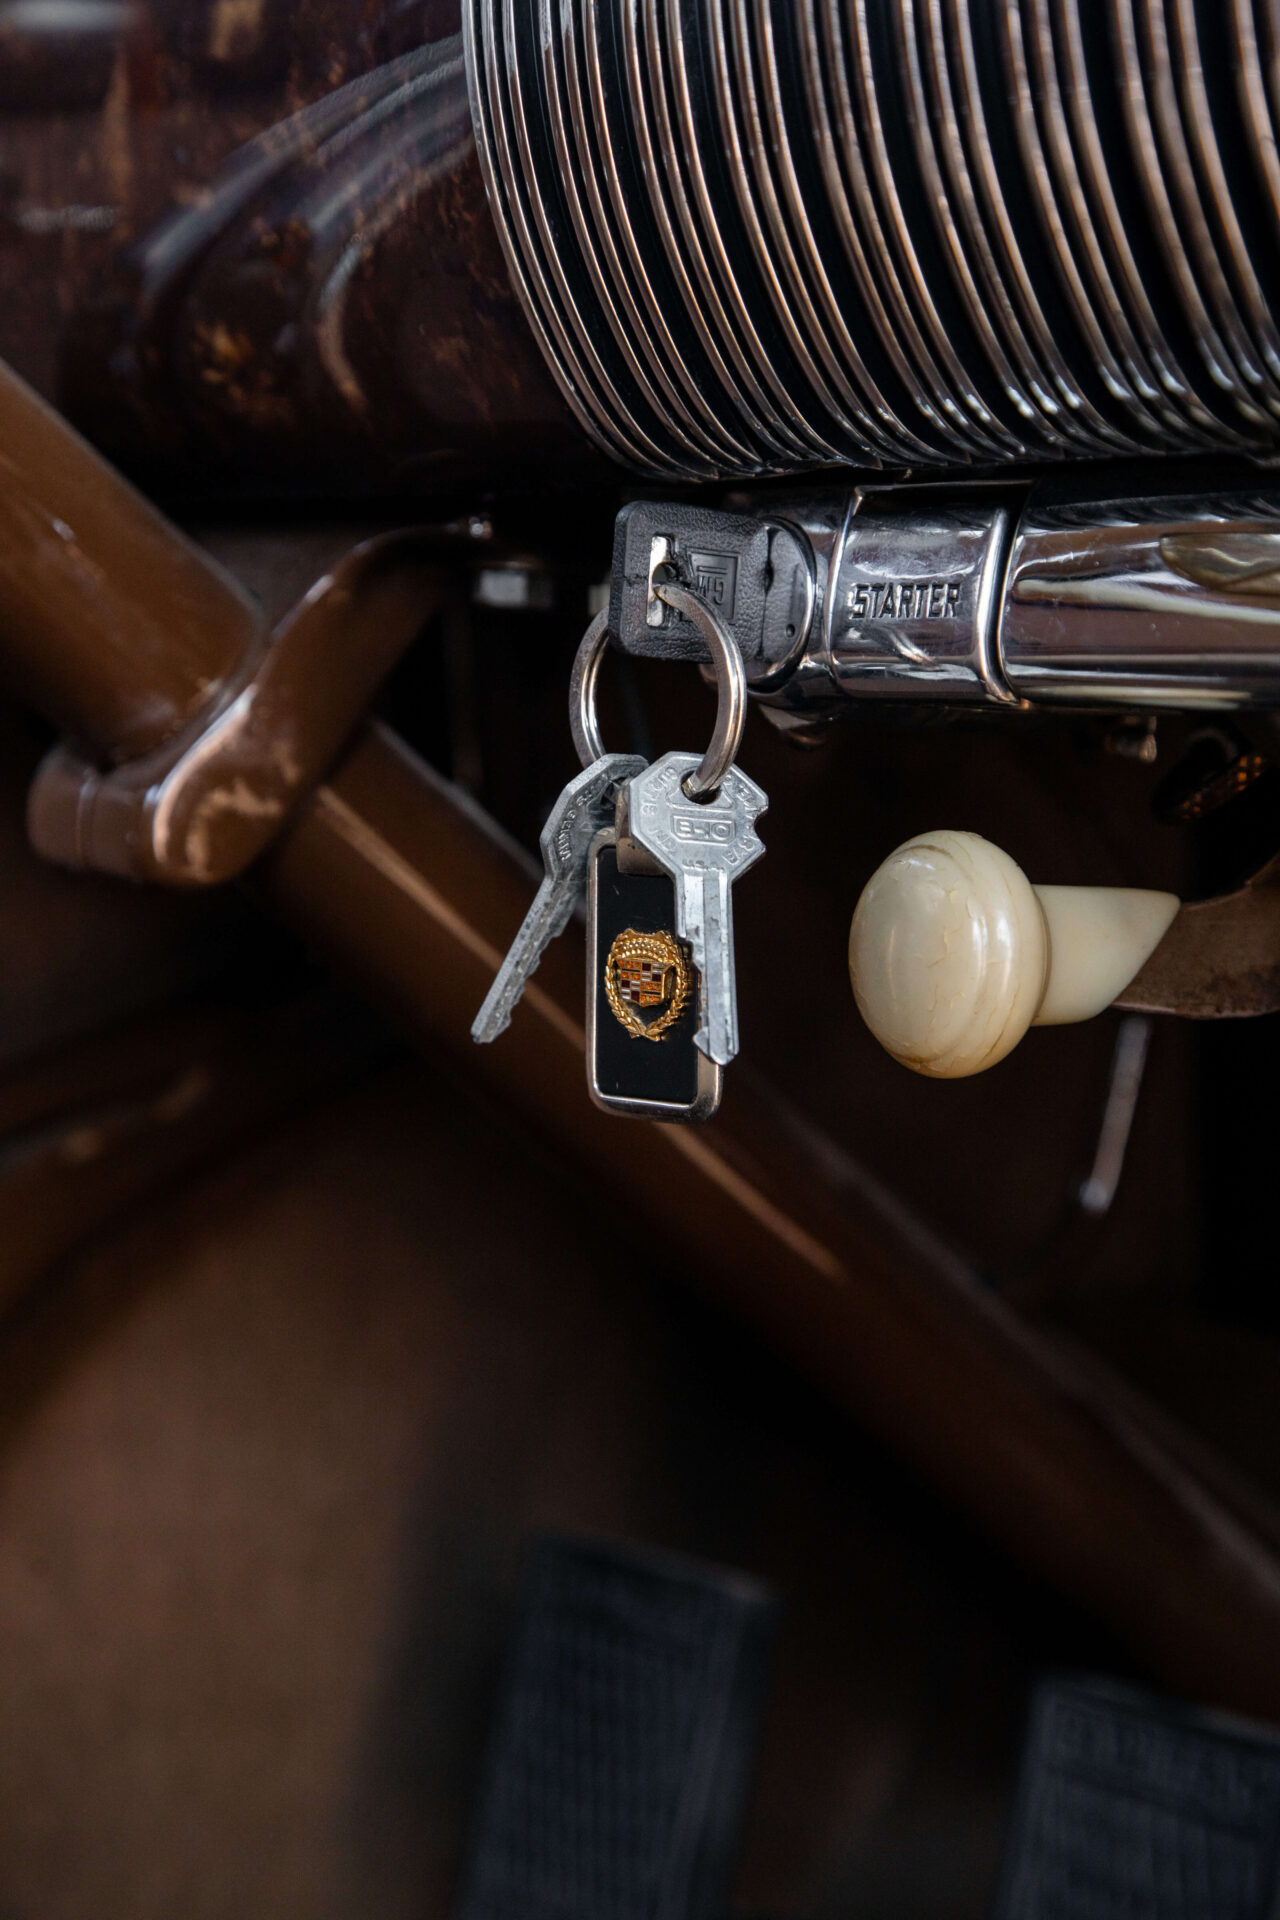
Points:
[(585, 806), (703, 845)]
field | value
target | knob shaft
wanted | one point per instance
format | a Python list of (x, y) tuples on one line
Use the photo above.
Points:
[(953, 953)]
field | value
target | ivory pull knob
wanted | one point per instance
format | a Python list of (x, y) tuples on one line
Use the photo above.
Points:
[(953, 953)]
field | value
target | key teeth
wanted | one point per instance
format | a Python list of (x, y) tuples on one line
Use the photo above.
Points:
[(483, 1030), (495, 1013)]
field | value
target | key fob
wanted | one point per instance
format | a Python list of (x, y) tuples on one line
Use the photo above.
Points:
[(642, 992)]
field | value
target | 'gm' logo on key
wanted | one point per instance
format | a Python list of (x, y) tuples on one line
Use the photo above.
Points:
[(707, 829), (716, 579)]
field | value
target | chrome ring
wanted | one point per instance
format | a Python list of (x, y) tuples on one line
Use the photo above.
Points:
[(583, 724), (731, 692)]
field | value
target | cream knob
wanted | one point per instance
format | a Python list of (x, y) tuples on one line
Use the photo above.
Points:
[(953, 953)]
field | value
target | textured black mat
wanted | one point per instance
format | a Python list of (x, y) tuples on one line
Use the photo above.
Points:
[(623, 1742), (1131, 1807)]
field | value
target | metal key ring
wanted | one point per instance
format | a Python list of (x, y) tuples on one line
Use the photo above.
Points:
[(731, 692), (587, 661)]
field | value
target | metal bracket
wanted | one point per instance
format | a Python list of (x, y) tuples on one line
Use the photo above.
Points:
[(203, 806), (1220, 959)]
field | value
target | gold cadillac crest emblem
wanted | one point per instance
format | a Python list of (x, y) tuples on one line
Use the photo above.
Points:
[(647, 978)]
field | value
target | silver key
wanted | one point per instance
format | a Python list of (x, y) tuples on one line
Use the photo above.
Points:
[(585, 806), (704, 846)]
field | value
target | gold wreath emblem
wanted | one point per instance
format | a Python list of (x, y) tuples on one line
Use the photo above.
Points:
[(647, 971)]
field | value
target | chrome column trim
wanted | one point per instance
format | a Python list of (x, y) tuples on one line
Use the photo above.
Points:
[(978, 595), (1052, 173), (895, 324), (966, 112), (668, 360), (754, 236), (702, 452), (668, 47), (1164, 602), (516, 122)]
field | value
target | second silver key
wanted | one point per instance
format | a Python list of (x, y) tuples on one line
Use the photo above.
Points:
[(704, 845), (585, 806)]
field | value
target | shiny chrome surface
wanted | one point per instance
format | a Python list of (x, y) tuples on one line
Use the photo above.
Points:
[(1212, 159), (1084, 274), (549, 245), (834, 367), (584, 721), (808, 254), (628, 325), (669, 36), (1161, 602), (712, 770), (861, 238), (672, 213), (495, 160), (637, 272), (756, 236), (1008, 262), (913, 595), (1053, 598), (1084, 132), (866, 119), (1156, 132), (921, 118), (621, 259)]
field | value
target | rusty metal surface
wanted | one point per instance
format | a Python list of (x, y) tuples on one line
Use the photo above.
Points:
[(110, 120), (332, 316), (1220, 959), (113, 117), (248, 249)]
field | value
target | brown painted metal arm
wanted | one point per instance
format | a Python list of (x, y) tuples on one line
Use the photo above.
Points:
[(200, 809), (195, 730), (114, 626), (1220, 959)]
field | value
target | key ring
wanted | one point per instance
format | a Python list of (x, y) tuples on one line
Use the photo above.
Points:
[(587, 661), (731, 691)]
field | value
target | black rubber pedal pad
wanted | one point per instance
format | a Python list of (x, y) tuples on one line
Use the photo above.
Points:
[(623, 1743), (1132, 1807)]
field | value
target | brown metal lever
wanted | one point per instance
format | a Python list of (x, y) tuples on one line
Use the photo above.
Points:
[(200, 809), (193, 730), (1220, 959)]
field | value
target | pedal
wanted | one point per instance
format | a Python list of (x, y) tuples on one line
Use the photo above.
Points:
[(623, 1743), (1134, 1806)]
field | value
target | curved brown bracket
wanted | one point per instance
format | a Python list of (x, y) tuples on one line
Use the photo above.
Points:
[(1220, 959), (198, 810)]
